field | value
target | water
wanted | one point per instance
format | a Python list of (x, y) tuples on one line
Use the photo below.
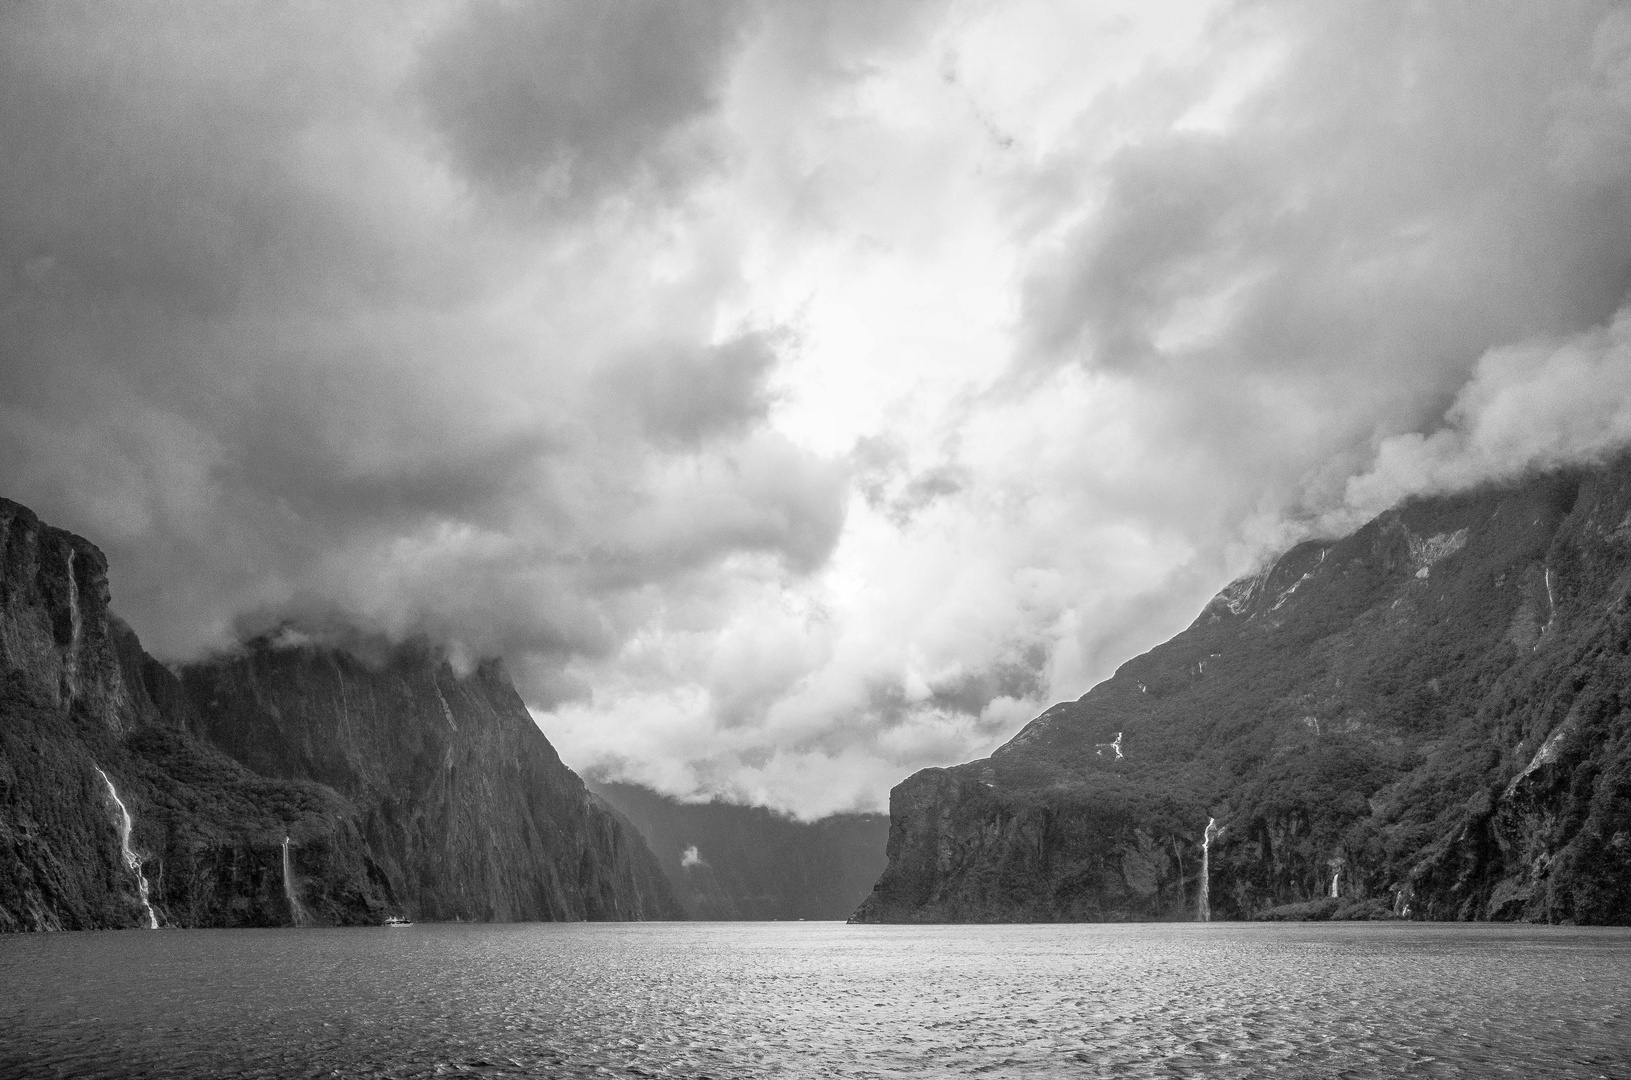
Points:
[(297, 910), (1203, 909), (132, 860), (735, 1000)]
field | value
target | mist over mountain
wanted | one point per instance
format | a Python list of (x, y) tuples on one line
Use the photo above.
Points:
[(728, 861)]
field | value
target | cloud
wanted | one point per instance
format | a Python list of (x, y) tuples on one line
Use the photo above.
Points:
[(1526, 408), (1232, 292), (683, 396), (577, 101), (1407, 191), (794, 395), (285, 364)]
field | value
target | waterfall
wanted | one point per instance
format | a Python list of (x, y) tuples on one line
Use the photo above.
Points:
[(132, 860), (297, 912), (1336, 877), (1212, 833)]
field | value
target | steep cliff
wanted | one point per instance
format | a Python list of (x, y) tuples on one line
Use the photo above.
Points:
[(462, 800), (86, 746), (1430, 718), (114, 813), (727, 861)]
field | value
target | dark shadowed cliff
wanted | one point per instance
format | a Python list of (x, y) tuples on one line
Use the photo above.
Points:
[(460, 797), (95, 736), (728, 861), (1430, 718)]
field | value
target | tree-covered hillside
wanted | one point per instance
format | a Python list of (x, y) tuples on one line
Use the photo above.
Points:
[(1429, 718)]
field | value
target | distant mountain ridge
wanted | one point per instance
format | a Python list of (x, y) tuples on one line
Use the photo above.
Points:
[(277, 785), (1430, 718), (728, 861)]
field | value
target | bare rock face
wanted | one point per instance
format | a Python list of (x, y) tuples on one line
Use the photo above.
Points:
[(95, 736), (1428, 719)]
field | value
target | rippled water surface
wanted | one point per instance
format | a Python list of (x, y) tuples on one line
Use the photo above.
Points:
[(820, 999)]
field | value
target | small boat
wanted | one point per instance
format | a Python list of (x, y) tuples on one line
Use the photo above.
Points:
[(397, 920)]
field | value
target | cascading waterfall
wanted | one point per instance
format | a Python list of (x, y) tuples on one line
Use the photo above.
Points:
[(1336, 878), (1211, 834), (132, 860), (297, 911)]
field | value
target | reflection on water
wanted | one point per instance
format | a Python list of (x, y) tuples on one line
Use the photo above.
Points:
[(820, 999)]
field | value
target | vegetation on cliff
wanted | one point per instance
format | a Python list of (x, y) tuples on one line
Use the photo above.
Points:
[(1429, 718), (359, 783)]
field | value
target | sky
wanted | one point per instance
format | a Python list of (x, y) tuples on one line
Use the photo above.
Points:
[(794, 396)]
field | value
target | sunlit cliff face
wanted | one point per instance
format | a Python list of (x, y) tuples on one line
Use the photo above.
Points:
[(792, 395)]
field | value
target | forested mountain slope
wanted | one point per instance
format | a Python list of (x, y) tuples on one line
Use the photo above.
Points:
[(1430, 718)]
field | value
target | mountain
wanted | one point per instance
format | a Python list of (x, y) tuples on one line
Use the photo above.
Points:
[(727, 861), (282, 784), (1430, 718)]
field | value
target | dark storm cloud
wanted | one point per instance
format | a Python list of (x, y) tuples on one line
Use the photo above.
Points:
[(577, 99), (263, 348)]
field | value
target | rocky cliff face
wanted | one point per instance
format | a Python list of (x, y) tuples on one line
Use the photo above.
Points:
[(114, 812), (462, 801), (727, 861), (1430, 718)]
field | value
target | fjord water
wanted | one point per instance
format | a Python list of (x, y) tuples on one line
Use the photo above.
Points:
[(820, 999)]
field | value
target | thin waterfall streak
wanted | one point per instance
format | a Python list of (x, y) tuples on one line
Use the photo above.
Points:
[(132, 860), (1204, 908), (297, 911), (1336, 876)]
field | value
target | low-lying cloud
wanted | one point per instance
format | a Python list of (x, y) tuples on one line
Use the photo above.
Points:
[(1526, 408)]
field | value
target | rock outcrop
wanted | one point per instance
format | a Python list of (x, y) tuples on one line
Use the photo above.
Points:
[(1430, 718), (81, 701)]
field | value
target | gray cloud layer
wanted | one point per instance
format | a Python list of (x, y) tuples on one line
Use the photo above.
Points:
[(288, 359), (493, 322), (574, 101), (1412, 187)]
